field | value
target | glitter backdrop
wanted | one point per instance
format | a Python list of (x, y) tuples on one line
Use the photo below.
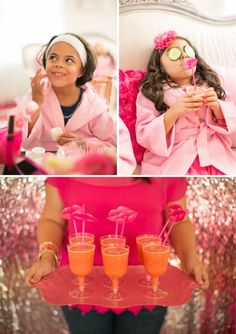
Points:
[(212, 202)]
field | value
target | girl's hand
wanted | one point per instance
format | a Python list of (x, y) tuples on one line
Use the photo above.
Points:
[(40, 268), (199, 272), (187, 103), (211, 99), (66, 138), (37, 86)]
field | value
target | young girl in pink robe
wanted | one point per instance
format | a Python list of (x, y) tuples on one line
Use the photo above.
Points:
[(127, 161), (183, 131), (64, 100)]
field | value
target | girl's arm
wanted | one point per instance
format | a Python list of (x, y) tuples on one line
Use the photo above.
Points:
[(211, 100), (51, 226), (188, 102), (50, 229), (182, 238), (170, 118), (37, 86)]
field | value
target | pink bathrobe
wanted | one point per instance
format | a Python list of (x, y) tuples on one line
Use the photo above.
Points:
[(127, 162), (90, 120), (206, 138)]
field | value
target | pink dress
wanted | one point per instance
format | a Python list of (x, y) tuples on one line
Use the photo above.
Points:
[(90, 120), (203, 144), (149, 200)]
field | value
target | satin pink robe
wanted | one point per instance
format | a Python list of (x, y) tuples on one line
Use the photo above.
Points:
[(127, 161), (189, 137), (90, 120)]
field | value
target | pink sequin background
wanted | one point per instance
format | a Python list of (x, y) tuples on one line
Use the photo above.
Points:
[(212, 202)]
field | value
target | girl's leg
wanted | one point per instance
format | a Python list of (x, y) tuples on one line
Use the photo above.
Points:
[(147, 322), (90, 323)]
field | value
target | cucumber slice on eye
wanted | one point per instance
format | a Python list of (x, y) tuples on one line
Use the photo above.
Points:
[(189, 51), (174, 53)]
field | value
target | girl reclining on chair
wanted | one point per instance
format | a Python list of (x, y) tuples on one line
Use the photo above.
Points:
[(184, 130)]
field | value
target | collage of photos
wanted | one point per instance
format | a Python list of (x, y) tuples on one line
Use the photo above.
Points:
[(118, 167)]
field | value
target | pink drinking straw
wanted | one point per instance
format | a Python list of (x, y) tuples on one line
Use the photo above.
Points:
[(116, 231), (176, 214), (83, 223), (190, 64), (164, 228), (123, 226), (83, 217), (121, 215)]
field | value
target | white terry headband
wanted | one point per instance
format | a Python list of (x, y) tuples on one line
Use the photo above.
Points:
[(75, 42)]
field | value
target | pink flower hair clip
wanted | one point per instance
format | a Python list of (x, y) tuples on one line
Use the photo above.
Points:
[(161, 41)]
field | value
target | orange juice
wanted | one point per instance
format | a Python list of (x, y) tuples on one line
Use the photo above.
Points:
[(112, 240), (155, 258), (143, 239), (77, 238), (81, 260), (115, 262)]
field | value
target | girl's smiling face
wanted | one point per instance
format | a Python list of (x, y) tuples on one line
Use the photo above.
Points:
[(174, 68), (63, 65)]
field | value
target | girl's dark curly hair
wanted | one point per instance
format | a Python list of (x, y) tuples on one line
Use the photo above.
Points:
[(89, 66), (152, 84)]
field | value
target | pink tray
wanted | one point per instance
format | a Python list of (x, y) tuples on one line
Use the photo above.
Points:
[(56, 286)]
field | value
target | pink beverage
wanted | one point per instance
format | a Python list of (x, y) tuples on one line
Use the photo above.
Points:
[(112, 240), (143, 239), (199, 92), (115, 263), (9, 146), (77, 238), (81, 261), (155, 258)]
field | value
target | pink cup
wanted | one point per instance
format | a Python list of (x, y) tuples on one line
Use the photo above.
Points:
[(10, 146)]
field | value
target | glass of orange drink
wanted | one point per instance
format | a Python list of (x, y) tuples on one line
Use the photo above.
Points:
[(78, 238), (115, 264), (107, 241), (155, 260), (81, 258), (141, 240), (112, 240)]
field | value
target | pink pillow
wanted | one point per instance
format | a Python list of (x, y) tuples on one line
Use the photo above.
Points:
[(128, 81)]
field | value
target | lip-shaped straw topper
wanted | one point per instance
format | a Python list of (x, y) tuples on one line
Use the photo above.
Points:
[(80, 216), (176, 214), (122, 215), (76, 214), (190, 63), (71, 214)]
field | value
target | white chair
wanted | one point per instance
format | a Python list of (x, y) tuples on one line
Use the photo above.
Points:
[(103, 87)]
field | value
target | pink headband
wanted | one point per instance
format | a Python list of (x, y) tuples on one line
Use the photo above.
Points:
[(161, 41)]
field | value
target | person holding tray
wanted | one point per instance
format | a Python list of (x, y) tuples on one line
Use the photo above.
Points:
[(152, 196)]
